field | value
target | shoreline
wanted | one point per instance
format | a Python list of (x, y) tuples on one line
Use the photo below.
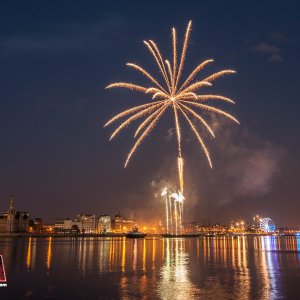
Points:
[(121, 235)]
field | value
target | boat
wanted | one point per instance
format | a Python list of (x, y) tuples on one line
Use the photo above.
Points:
[(135, 233)]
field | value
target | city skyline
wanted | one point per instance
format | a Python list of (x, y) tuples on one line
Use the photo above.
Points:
[(98, 220)]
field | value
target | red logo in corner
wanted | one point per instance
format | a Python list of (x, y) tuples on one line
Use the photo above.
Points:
[(2, 272)]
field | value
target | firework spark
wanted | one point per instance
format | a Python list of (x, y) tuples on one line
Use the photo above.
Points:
[(170, 93)]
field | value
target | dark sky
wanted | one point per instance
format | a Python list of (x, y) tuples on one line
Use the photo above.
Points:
[(56, 57)]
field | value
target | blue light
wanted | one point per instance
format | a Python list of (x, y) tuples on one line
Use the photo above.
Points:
[(267, 225)]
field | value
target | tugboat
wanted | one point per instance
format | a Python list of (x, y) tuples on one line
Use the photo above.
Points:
[(134, 234)]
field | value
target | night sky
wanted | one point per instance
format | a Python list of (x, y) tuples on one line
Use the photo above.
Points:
[(56, 58)]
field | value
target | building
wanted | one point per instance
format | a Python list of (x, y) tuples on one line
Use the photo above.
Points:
[(104, 224), (73, 225), (67, 226), (120, 225), (117, 223), (59, 224), (36, 225), (83, 223), (14, 221), (10, 224), (88, 223)]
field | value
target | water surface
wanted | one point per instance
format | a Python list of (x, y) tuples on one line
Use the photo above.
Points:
[(152, 268)]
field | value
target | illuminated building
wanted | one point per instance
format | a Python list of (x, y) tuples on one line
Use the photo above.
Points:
[(88, 223), (14, 221), (36, 225), (117, 223), (104, 224), (68, 226), (59, 224), (48, 228), (120, 225), (73, 225)]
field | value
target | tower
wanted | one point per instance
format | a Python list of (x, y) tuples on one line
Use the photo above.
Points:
[(10, 216)]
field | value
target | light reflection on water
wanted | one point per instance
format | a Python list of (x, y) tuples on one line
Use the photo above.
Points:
[(174, 282), (152, 268)]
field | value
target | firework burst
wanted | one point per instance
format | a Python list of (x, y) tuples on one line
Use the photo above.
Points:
[(171, 93)]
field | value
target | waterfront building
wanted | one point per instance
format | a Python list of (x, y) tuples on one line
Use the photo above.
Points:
[(73, 225), (104, 224), (10, 216), (36, 225), (117, 223), (120, 225), (59, 224), (88, 223), (68, 226), (48, 228), (14, 221)]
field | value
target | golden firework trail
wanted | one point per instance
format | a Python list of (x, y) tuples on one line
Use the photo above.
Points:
[(182, 98)]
